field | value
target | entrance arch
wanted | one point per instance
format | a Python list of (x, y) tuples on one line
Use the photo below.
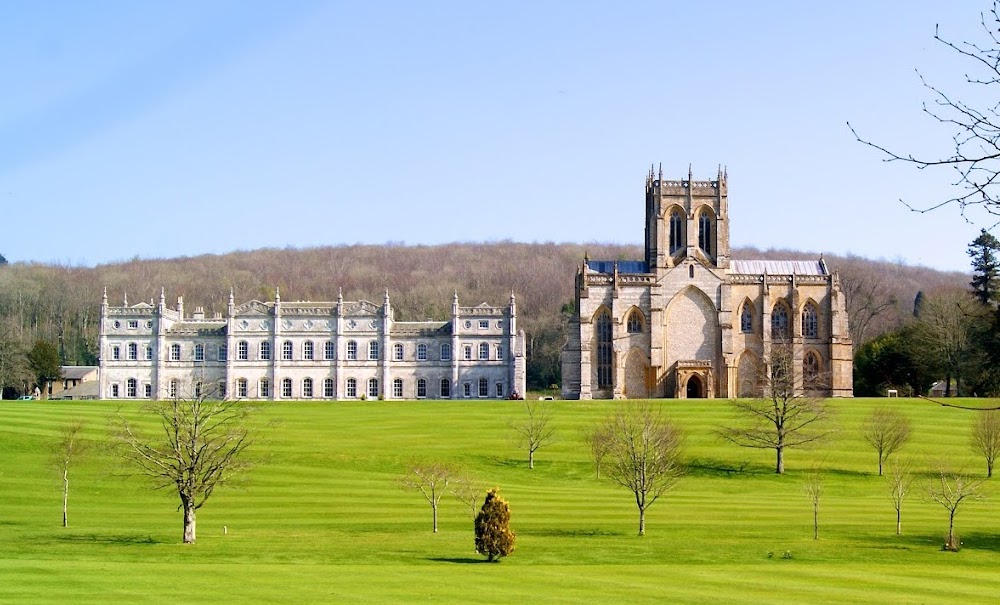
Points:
[(695, 388)]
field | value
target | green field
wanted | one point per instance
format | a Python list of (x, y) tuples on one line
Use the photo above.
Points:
[(324, 518)]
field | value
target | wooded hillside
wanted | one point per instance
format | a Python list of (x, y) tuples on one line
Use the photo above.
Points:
[(61, 304)]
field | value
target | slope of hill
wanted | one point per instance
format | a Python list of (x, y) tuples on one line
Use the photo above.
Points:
[(60, 304)]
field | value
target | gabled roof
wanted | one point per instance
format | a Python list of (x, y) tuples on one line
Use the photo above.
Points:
[(777, 267)]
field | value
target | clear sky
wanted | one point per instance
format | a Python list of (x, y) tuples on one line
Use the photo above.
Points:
[(172, 128)]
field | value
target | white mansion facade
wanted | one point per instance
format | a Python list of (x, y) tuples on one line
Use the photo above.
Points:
[(687, 321), (308, 350)]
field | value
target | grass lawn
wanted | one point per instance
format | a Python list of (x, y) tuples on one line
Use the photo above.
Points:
[(323, 519)]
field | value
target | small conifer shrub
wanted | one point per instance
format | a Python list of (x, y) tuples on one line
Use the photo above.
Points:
[(493, 536)]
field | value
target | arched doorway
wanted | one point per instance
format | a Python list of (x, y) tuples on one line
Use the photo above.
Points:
[(694, 387)]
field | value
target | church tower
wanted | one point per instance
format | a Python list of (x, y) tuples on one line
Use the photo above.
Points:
[(686, 219)]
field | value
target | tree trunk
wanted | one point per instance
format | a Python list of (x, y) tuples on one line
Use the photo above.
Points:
[(989, 468), (880, 464), (642, 522), (189, 521), (65, 497), (780, 467), (531, 458), (815, 521), (951, 531), (435, 509), (899, 522)]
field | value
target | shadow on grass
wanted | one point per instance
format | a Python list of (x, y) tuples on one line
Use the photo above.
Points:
[(572, 533), (971, 541), (118, 539), (709, 467), (460, 560)]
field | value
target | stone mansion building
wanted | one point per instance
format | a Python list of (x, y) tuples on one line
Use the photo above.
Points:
[(308, 350), (688, 321)]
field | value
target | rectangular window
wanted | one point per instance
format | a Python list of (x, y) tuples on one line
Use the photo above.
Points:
[(484, 387), (172, 389), (307, 387), (222, 389), (243, 351), (199, 352), (445, 388), (148, 353), (352, 387), (484, 324), (467, 352), (241, 387), (114, 390), (397, 352), (499, 391), (223, 352), (133, 324), (328, 387), (421, 388), (286, 350), (467, 389), (175, 353), (422, 352), (286, 387), (352, 350), (147, 390), (446, 352), (133, 351), (373, 388), (499, 352), (397, 388), (265, 351), (116, 352), (307, 350), (484, 351), (265, 388), (373, 350), (328, 351), (130, 388)]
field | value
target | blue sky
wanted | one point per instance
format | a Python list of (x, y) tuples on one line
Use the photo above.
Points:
[(163, 129)]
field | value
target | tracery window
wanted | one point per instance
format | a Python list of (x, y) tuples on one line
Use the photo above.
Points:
[(634, 323), (604, 349), (676, 231), (746, 319), (810, 369), (779, 322), (810, 321), (705, 233)]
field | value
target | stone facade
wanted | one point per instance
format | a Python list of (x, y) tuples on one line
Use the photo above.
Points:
[(308, 350), (688, 321)]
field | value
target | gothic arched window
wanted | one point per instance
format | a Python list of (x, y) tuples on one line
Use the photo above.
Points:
[(746, 318), (810, 369), (705, 232), (634, 323), (779, 322), (604, 349), (810, 322), (676, 231)]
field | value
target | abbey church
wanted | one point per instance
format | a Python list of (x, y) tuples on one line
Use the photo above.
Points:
[(687, 321)]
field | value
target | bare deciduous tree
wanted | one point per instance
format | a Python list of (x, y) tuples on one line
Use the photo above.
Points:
[(468, 490), (431, 479), (599, 440), (950, 489), (534, 430), (900, 479), (813, 486), (644, 454), (974, 155), (867, 299), (786, 417), (986, 437), (885, 430), (66, 451), (200, 447)]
